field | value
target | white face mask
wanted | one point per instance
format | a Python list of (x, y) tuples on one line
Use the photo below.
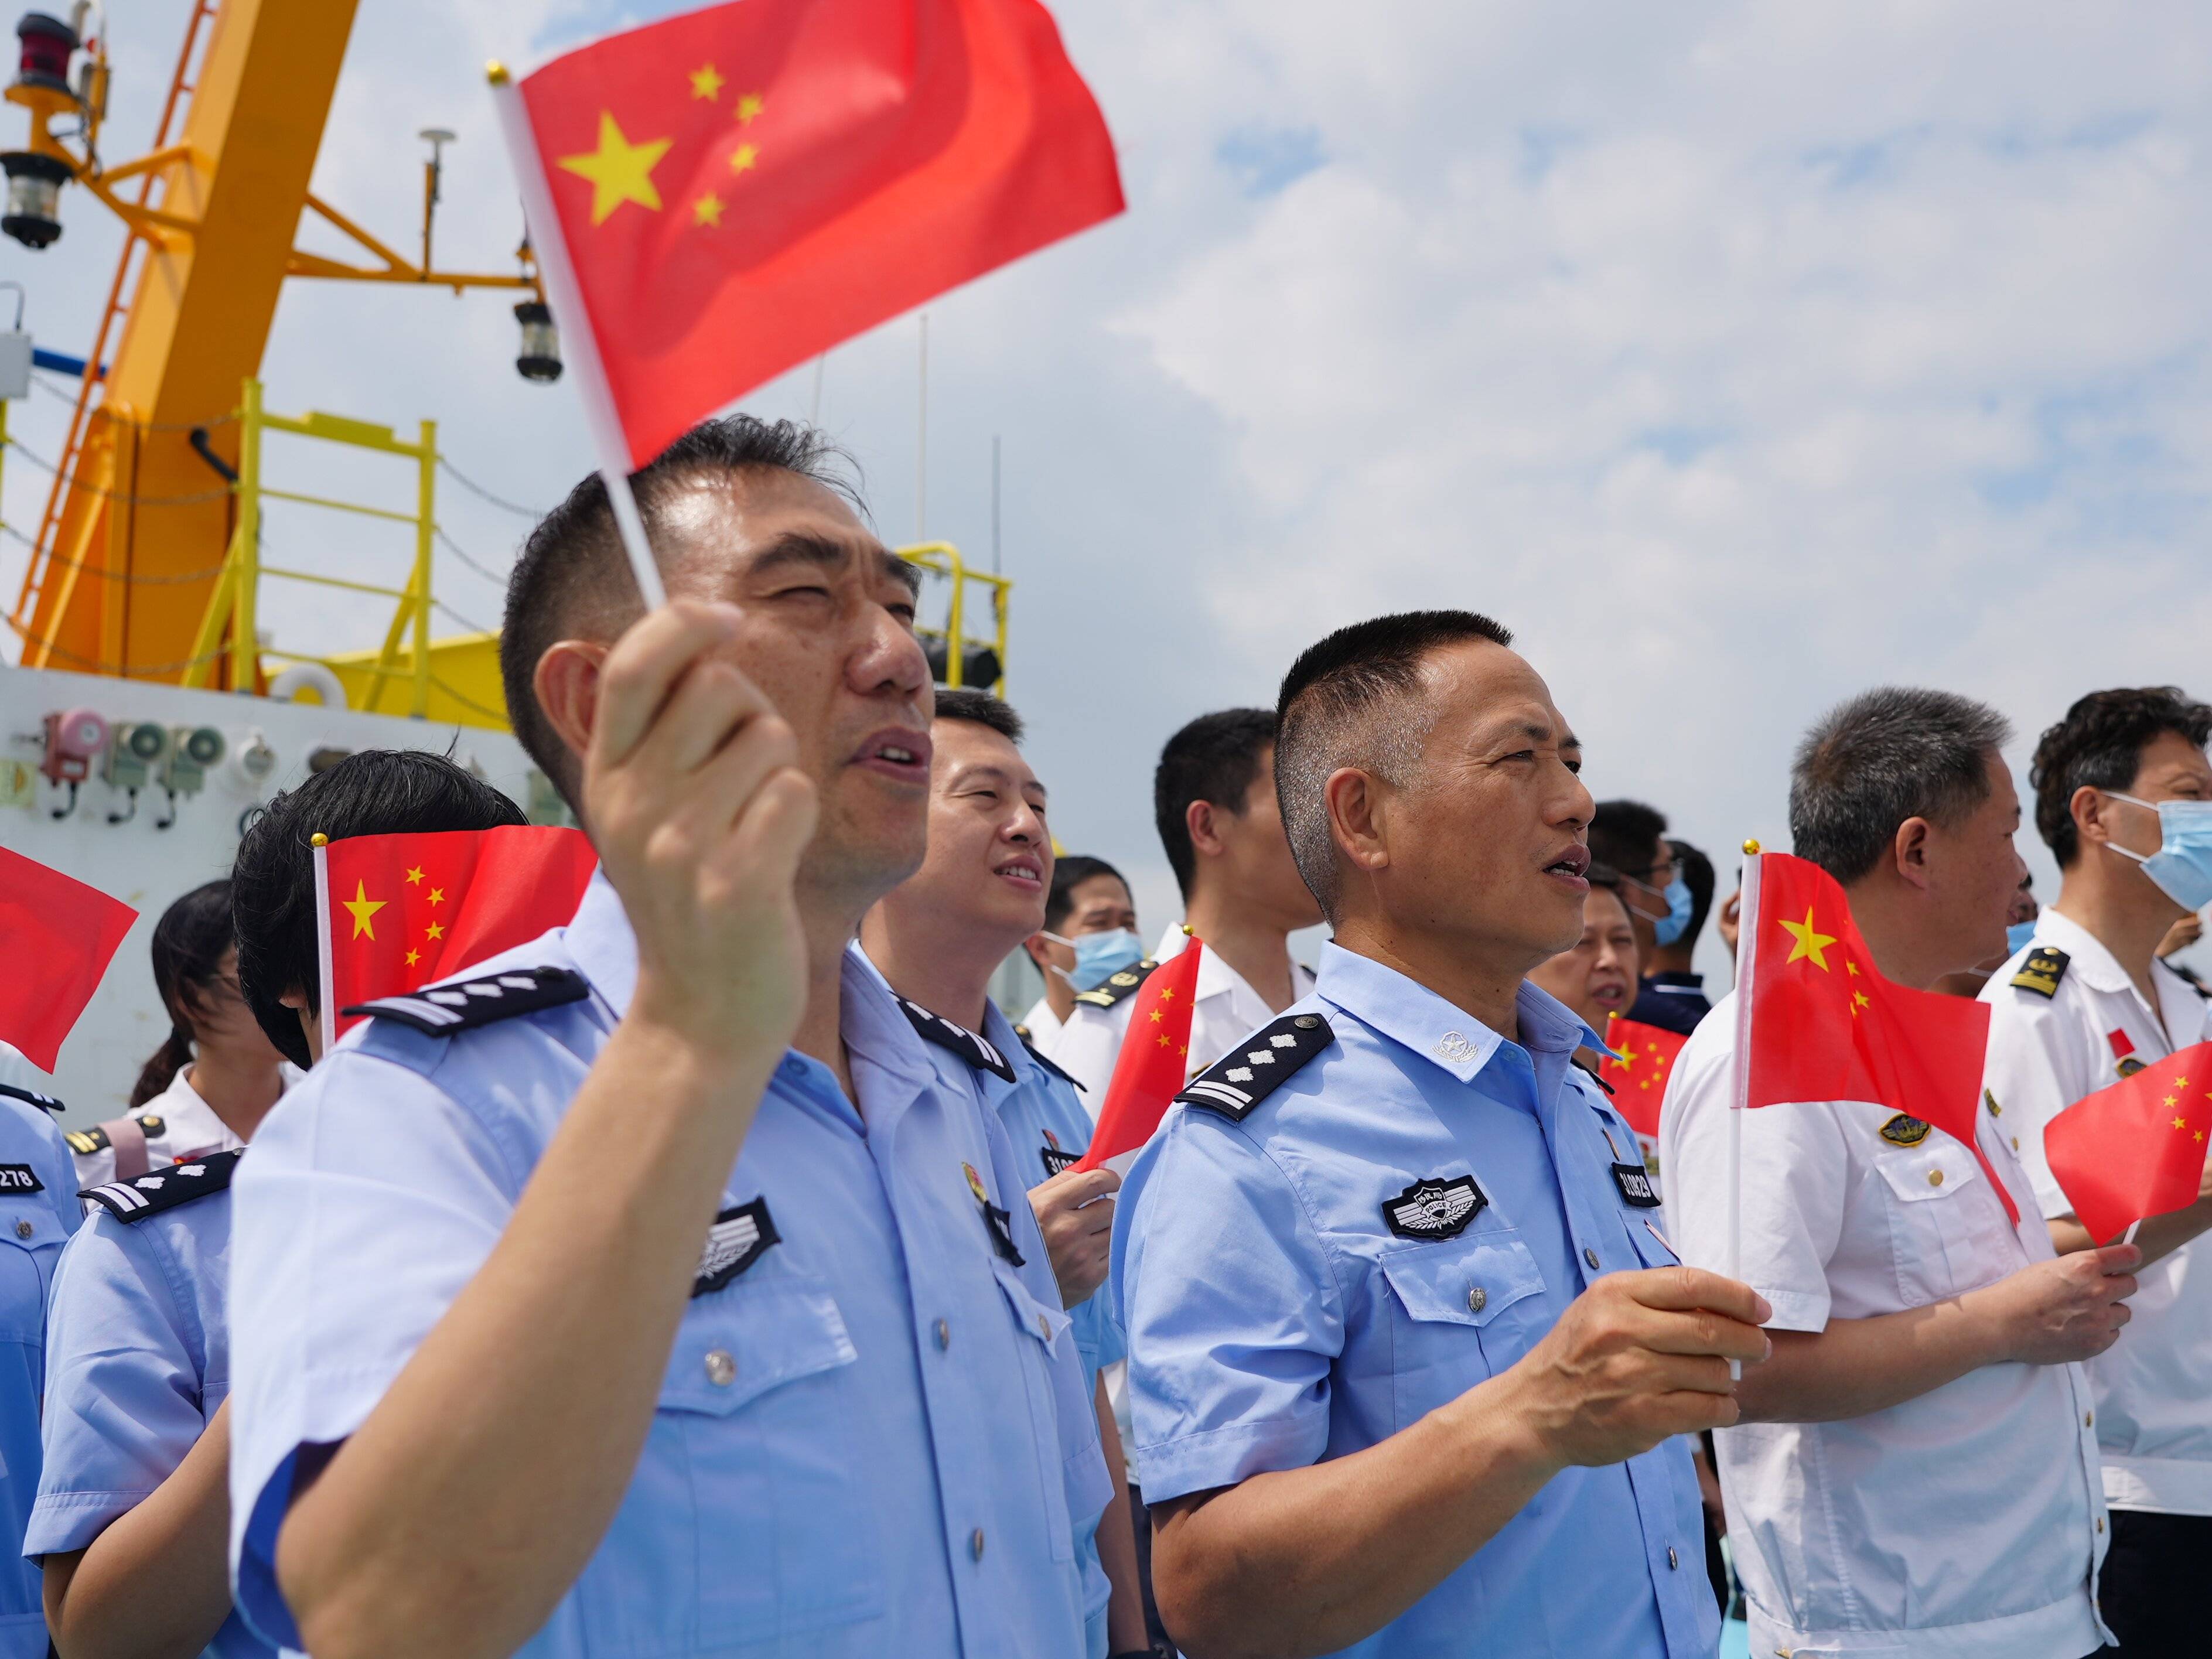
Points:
[(1098, 957)]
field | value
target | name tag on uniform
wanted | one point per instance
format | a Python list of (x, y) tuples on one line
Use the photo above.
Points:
[(19, 1178), (1635, 1183)]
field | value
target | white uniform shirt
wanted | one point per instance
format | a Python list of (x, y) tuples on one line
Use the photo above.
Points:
[(1223, 1009), (2153, 1418), (188, 1125), (1967, 1524), (1043, 1025)]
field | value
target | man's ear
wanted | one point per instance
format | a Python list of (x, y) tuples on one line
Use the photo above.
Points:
[(566, 684), (2086, 808), (1198, 820), (1909, 850), (1357, 818)]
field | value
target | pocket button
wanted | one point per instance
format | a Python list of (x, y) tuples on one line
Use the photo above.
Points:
[(1934, 1177), (24, 1230), (721, 1368), (1476, 1298)]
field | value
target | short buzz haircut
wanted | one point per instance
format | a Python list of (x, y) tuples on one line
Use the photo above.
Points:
[(1625, 834), (573, 578), (1888, 755), (961, 702), (1215, 758), (1068, 874), (1352, 700), (2099, 743), (378, 791)]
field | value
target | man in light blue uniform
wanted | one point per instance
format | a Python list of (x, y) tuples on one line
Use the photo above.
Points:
[(39, 1210), (1400, 1380), (936, 940), (647, 1291)]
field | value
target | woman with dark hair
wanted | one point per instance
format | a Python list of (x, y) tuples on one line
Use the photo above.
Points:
[(206, 1088)]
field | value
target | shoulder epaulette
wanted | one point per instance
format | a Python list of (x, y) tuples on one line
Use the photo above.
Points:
[(1043, 1059), (445, 1010), (32, 1097), (1590, 1072), (85, 1142), (1119, 986), (2042, 971), (1256, 1068), (978, 1051), (165, 1189)]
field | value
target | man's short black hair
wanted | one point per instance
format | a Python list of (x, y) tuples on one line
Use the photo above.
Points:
[(1068, 874), (963, 702), (1697, 870), (1216, 758), (1325, 718), (2099, 743), (1625, 835), (572, 575), (378, 791), (1888, 755)]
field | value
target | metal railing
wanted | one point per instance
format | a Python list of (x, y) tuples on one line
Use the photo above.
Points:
[(944, 559)]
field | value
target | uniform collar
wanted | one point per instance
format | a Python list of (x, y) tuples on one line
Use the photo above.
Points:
[(1217, 978), (2085, 955), (1411, 1014)]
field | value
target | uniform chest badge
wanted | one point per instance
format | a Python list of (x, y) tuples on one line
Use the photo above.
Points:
[(739, 1237), (19, 1178), (1057, 1157), (997, 1222), (1439, 1208), (1902, 1131), (2124, 1059), (1636, 1189)]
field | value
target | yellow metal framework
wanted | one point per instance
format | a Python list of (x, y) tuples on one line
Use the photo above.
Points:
[(944, 559)]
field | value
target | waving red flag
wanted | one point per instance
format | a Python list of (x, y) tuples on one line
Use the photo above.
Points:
[(56, 936), (397, 912), (1639, 1076), (1819, 1022), (738, 189), (2136, 1149), (1154, 1062)]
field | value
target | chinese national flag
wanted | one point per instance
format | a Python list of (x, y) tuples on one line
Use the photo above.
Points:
[(401, 911), (1824, 1025), (742, 187), (1639, 1076), (58, 936), (1154, 1062), (2135, 1149)]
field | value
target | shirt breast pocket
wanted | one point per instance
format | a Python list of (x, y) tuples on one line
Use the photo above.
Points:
[(749, 1517), (30, 1244), (1039, 1328), (1464, 1310), (1948, 1235)]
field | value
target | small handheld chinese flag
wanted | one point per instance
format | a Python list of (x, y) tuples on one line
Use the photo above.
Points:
[(397, 912), (1819, 1022), (1639, 1076), (1154, 1062), (58, 936), (719, 195), (2136, 1149)]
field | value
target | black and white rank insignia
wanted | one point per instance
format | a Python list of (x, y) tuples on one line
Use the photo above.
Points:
[(1635, 1183), (1057, 1157), (165, 1189), (32, 1097), (740, 1236), (2042, 971), (1902, 1131), (448, 1010), (1245, 1076), (1439, 1208), (19, 1178), (978, 1051), (1117, 986), (996, 1222)]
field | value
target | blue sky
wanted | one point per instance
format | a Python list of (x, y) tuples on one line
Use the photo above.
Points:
[(1738, 356)]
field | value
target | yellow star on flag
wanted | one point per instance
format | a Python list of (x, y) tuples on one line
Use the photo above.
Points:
[(415, 876), (1851, 968), (2173, 1100), (749, 104), (364, 907), (706, 83), (2181, 1123), (707, 209), (433, 931), (619, 170), (1164, 1039), (1156, 1016), (743, 157), (437, 896), (1810, 942), (1167, 994), (414, 956)]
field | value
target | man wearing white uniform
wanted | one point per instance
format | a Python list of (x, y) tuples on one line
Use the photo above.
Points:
[(1213, 798), (2123, 796), (1914, 1472)]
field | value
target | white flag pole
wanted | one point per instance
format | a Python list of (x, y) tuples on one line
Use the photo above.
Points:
[(330, 999), (582, 348), (1747, 964)]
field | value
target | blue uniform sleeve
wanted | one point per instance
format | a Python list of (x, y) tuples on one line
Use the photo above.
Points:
[(1234, 1316), (125, 1359), (371, 1198), (34, 1221)]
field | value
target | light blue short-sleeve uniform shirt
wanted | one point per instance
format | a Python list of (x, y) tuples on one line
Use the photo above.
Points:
[(1035, 1103), (861, 1446), (137, 1356), (1403, 1217), (39, 1210)]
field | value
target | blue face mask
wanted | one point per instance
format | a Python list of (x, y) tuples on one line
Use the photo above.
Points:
[(2182, 867), (1099, 957), (1666, 929), (2018, 935)]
